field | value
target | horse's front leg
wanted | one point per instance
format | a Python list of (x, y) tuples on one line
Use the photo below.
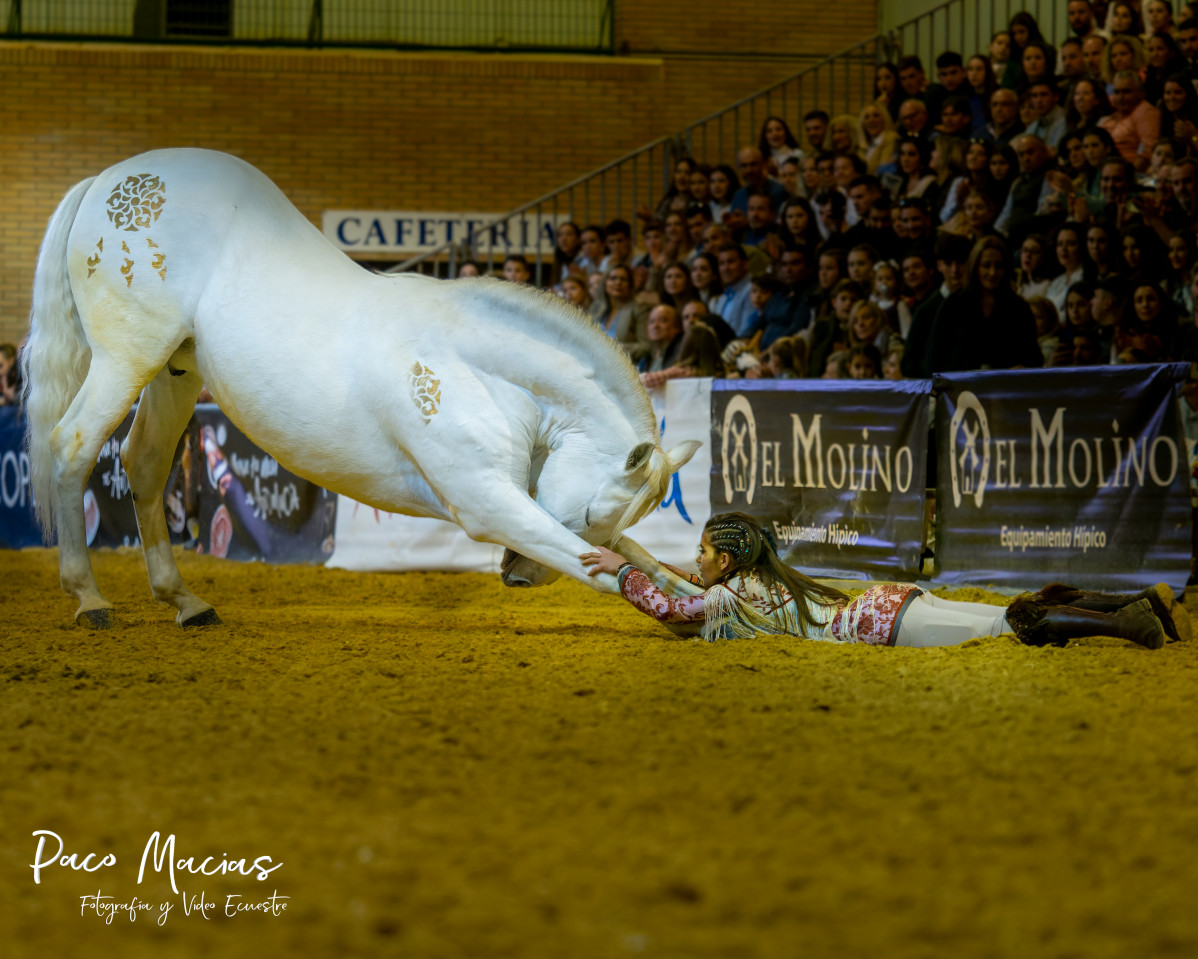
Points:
[(506, 515), (166, 406)]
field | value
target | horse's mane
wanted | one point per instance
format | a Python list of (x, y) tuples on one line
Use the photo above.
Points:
[(560, 321)]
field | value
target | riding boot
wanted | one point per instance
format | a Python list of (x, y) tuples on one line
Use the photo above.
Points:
[(1160, 596), (1037, 624)]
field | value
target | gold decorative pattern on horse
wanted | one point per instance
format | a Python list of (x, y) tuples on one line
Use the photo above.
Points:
[(93, 261), (136, 202), (426, 391)]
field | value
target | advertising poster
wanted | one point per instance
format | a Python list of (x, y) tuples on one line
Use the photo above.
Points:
[(1078, 475), (835, 469)]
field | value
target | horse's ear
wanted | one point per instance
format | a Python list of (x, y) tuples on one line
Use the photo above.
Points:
[(638, 457), (680, 454)]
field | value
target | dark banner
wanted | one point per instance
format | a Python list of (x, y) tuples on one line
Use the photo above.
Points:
[(18, 528), (836, 469), (1076, 475), (252, 508)]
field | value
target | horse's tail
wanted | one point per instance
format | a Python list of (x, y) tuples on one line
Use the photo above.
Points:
[(56, 357)]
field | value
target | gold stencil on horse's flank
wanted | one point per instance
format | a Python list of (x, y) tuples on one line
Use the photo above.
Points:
[(426, 391), (134, 204)]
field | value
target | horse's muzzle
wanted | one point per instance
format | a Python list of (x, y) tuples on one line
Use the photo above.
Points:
[(517, 570)]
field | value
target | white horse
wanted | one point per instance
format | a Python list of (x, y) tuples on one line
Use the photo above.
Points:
[(498, 407)]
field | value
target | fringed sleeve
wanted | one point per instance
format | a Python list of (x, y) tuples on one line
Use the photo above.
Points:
[(639, 590)]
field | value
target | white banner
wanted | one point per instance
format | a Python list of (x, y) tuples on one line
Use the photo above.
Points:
[(368, 539), (418, 231)]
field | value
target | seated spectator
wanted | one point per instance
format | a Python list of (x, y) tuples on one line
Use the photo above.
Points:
[(1164, 61), (842, 137), (830, 332), (1183, 253), (1004, 168), (776, 143), (788, 175), (1146, 334), (1031, 193), (919, 283), (1070, 249), (1102, 251), (574, 289), (863, 191), (831, 206), (1088, 105), (975, 177), (1081, 19), (982, 84), (836, 366), (950, 71), (566, 246), (1032, 276), (796, 273), (1158, 17), (797, 224), (698, 219), (771, 313), (912, 78), (880, 230), (1107, 307), (676, 287), (876, 134), (986, 323), (1004, 123), (1048, 327), (753, 178), (1179, 110), (700, 185), (815, 131), (956, 118), (887, 93), (8, 363), (469, 269), (914, 120), (1135, 123), (735, 305), (976, 219), (516, 269), (1145, 258), (860, 263), (947, 163), (619, 315), (868, 326), (786, 359), (592, 250), (647, 266), (700, 353), (917, 228), (1097, 146), (663, 332), (915, 177), (864, 362), (678, 194), (724, 185), (1079, 316), (678, 244), (760, 228), (892, 362), (1181, 210), (1004, 67), (705, 277), (1024, 32), (696, 311), (1123, 20), (952, 256), (1038, 60), (1049, 125), (1072, 67)]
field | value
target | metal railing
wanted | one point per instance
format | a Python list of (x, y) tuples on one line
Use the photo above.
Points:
[(839, 84), (577, 26)]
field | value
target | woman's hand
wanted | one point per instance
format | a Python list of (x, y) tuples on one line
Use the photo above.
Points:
[(602, 560)]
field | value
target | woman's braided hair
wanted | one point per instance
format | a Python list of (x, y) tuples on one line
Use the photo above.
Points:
[(752, 546)]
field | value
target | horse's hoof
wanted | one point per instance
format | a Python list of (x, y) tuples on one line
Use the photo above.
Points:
[(206, 617), (96, 618)]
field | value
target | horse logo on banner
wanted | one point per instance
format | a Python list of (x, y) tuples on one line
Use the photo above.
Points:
[(968, 470), (740, 465)]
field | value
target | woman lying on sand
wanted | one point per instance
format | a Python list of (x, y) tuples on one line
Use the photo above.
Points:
[(747, 589)]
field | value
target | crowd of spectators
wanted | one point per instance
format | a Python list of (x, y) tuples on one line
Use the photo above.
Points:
[(1029, 206)]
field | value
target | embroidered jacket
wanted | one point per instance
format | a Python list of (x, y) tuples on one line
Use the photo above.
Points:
[(744, 605)]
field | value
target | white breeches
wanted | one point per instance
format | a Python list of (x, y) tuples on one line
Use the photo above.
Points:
[(932, 621)]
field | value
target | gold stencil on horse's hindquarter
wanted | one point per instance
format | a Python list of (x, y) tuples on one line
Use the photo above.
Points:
[(136, 202), (426, 391)]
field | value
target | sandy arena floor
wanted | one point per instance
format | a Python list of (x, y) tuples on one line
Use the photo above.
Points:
[(448, 768)]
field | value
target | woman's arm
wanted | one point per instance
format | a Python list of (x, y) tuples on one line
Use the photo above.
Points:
[(683, 615)]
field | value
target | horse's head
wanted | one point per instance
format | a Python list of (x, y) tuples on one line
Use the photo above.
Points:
[(597, 502)]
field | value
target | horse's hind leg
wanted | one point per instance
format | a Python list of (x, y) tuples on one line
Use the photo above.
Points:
[(75, 442), (166, 406)]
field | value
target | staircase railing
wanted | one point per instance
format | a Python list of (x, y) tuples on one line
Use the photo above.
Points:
[(839, 84)]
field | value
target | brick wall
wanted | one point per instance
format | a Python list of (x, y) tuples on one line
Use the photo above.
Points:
[(368, 129)]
